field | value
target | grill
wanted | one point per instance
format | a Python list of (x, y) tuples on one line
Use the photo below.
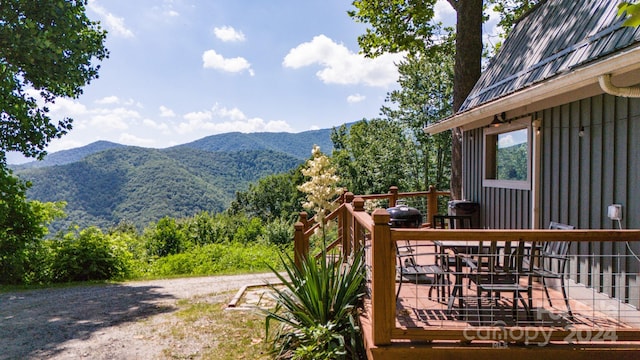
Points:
[(403, 216)]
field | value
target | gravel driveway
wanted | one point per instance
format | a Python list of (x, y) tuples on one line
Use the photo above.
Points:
[(101, 321)]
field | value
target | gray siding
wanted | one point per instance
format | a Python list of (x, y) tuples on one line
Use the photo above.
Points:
[(582, 176), (579, 177)]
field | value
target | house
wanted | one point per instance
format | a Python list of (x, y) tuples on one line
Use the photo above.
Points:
[(551, 132)]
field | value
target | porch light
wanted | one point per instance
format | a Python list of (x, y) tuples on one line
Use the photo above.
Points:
[(496, 122)]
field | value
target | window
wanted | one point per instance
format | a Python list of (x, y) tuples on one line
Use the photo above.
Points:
[(507, 150)]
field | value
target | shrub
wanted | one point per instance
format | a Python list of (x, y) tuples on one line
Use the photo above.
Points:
[(317, 310), (86, 255), (218, 259)]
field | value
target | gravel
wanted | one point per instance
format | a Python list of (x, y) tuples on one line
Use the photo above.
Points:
[(102, 321)]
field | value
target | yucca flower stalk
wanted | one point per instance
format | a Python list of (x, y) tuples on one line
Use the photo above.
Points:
[(322, 187)]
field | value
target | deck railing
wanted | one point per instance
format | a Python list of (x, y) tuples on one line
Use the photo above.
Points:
[(359, 229)]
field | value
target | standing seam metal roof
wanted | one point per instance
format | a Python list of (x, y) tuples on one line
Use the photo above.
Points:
[(556, 37)]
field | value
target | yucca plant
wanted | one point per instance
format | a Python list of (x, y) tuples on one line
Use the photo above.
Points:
[(317, 310)]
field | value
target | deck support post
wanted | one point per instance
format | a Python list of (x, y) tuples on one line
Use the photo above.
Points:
[(383, 273)]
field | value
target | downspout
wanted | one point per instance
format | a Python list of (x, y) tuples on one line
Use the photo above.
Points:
[(609, 88)]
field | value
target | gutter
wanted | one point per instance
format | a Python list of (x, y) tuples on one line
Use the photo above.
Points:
[(609, 88), (570, 81)]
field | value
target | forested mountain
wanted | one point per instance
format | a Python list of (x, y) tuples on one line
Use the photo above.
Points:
[(69, 156), (297, 145), (111, 183)]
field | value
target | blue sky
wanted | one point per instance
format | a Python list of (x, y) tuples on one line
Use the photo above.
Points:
[(180, 70)]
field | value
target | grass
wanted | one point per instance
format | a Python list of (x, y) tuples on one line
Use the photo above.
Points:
[(206, 330)]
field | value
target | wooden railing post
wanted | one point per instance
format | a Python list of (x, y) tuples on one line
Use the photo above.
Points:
[(432, 203), (358, 240), (300, 244), (393, 190), (303, 218), (346, 222), (383, 282)]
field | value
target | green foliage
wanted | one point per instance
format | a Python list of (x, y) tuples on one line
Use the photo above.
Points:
[(165, 238), (86, 255), (143, 185), (22, 226), (630, 10), (512, 162), (317, 310), (395, 25), (278, 232), (47, 46), (425, 97), (373, 155), (271, 197), (218, 259)]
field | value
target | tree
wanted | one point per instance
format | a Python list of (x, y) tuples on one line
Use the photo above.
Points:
[(373, 155), (46, 48), (408, 25), (425, 97), (22, 227)]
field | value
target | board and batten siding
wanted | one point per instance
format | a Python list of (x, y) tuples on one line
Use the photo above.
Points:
[(581, 174)]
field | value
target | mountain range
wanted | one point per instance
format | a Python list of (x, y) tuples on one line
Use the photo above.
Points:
[(105, 183)]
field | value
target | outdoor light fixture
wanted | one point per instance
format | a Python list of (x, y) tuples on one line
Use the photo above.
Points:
[(496, 122), (581, 132)]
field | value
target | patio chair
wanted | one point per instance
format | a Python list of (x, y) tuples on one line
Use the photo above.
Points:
[(411, 270), (450, 222), (550, 262), (496, 270)]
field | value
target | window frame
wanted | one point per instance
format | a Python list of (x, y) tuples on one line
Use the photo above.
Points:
[(489, 154)]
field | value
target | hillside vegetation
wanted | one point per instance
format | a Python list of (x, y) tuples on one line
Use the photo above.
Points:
[(105, 183)]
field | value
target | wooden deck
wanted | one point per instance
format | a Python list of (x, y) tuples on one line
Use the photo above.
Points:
[(416, 327), (590, 336)]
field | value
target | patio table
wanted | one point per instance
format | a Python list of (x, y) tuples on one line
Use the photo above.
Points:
[(462, 249)]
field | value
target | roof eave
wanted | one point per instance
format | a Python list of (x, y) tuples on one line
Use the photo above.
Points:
[(623, 61)]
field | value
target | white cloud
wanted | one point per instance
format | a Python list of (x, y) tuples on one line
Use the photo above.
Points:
[(166, 112), (341, 66), (213, 60), (67, 107), (444, 12), (118, 119), (506, 141), (355, 98), (155, 125), (108, 100), (228, 34), (171, 13), (130, 139), (114, 24), (221, 119)]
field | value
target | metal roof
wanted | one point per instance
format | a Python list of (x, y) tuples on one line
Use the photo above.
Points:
[(556, 37)]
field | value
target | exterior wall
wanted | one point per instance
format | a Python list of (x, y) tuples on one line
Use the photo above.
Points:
[(579, 177), (582, 175)]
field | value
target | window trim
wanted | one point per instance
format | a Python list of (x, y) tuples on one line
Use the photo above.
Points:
[(524, 123)]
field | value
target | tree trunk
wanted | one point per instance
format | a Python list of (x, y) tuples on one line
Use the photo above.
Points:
[(467, 71)]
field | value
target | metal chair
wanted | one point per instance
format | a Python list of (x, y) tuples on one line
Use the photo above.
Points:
[(550, 262), (409, 269), (497, 270)]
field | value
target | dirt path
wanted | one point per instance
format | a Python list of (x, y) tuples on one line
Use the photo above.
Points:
[(102, 321)]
